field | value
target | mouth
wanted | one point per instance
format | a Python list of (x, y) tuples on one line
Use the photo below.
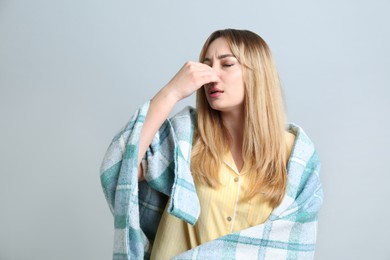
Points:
[(215, 91)]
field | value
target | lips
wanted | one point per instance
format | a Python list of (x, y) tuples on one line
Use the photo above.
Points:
[(214, 90)]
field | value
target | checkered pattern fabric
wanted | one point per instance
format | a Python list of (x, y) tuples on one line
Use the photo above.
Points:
[(289, 233)]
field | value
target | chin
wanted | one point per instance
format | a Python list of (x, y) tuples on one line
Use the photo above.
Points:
[(215, 106), (224, 108)]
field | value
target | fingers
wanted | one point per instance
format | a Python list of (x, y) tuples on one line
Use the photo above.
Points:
[(191, 77), (201, 74)]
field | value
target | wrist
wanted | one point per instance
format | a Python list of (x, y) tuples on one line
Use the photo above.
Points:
[(166, 96), (168, 91)]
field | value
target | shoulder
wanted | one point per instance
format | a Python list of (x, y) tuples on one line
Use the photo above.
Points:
[(303, 167), (186, 111), (290, 140), (186, 115), (302, 148), (183, 123)]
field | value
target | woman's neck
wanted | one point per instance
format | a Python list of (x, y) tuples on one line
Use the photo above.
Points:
[(234, 124), (233, 121)]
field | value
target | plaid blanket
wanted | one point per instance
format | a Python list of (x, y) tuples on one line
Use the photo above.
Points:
[(289, 233)]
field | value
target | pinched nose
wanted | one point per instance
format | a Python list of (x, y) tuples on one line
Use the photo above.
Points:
[(210, 85)]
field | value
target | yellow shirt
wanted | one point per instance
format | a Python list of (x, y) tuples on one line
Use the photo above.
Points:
[(223, 210)]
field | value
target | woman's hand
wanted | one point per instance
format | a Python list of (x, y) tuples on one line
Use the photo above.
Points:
[(191, 77)]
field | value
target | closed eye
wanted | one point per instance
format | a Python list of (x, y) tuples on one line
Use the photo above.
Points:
[(227, 65)]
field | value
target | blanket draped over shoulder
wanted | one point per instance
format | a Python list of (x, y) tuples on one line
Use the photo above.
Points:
[(289, 232)]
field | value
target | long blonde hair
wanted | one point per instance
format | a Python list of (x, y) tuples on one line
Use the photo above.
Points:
[(264, 143)]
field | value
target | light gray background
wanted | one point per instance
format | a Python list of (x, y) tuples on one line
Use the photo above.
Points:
[(72, 73)]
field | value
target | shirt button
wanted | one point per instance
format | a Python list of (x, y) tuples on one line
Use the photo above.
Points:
[(236, 179), (229, 219)]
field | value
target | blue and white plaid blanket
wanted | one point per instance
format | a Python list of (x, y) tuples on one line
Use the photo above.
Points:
[(289, 233)]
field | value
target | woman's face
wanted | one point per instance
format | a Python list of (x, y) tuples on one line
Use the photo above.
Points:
[(229, 93)]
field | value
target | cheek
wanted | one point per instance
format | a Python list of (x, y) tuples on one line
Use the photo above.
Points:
[(242, 94), (239, 82), (237, 77)]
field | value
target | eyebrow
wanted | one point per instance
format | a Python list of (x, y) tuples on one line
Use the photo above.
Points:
[(220, 57)]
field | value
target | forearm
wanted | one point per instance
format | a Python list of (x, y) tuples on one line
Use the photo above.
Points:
[(189, 79), (159, 109)]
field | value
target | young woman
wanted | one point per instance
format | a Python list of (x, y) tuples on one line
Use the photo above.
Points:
[(243, 168)]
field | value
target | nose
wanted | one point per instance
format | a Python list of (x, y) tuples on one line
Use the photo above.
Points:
[(210, 85), (216, 68), (214, 65)]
